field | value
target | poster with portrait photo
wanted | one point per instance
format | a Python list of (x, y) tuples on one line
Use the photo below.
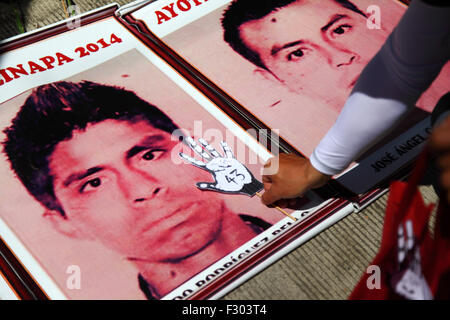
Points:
[(96, 200), (292, 67)]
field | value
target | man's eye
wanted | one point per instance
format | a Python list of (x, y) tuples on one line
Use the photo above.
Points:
[(152, 154), (342, 29), (295, 55), (91, 184)]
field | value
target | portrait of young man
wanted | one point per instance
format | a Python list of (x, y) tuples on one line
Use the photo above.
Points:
[(98, 158), (92, 177), (304, 43), (303, 58)]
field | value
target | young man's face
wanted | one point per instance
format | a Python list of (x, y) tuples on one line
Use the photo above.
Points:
[(316, 48), (117, 183)]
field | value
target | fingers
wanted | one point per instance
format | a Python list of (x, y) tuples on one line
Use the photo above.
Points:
[(211, 152), (207, 186), (209, 148), (267, 197), (267, 181), (198, 149), (227, 150), (195, 162), (276, 182), (282, 203), (270, 196), (285, 203), (279, 201), (289, 176)]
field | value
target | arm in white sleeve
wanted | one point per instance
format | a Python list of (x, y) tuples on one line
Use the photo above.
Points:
[(389, 85)]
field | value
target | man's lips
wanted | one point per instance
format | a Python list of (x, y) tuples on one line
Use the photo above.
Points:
[(181, 209)]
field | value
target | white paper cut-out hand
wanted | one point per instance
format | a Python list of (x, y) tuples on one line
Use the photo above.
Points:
[(230, 176)]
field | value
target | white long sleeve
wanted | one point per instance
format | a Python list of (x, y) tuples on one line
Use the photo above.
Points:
[(389, 85)]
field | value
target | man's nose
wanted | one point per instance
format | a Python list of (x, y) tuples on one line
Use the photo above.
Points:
[(343, 59), (140, 187), (145, 195)]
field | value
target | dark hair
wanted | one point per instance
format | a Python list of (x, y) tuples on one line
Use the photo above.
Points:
[(50, 115), (242, 11)]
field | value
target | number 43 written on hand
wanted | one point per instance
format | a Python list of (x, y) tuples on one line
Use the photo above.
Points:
[(230, 176)]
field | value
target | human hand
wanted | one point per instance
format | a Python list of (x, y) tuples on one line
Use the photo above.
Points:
[(230, 176), (439, 143), (295, 176)]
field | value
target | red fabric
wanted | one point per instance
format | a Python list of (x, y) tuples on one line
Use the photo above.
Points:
[(413, 263)]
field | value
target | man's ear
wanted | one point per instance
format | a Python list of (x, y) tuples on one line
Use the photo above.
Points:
[(266, 75), (61, 223)]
